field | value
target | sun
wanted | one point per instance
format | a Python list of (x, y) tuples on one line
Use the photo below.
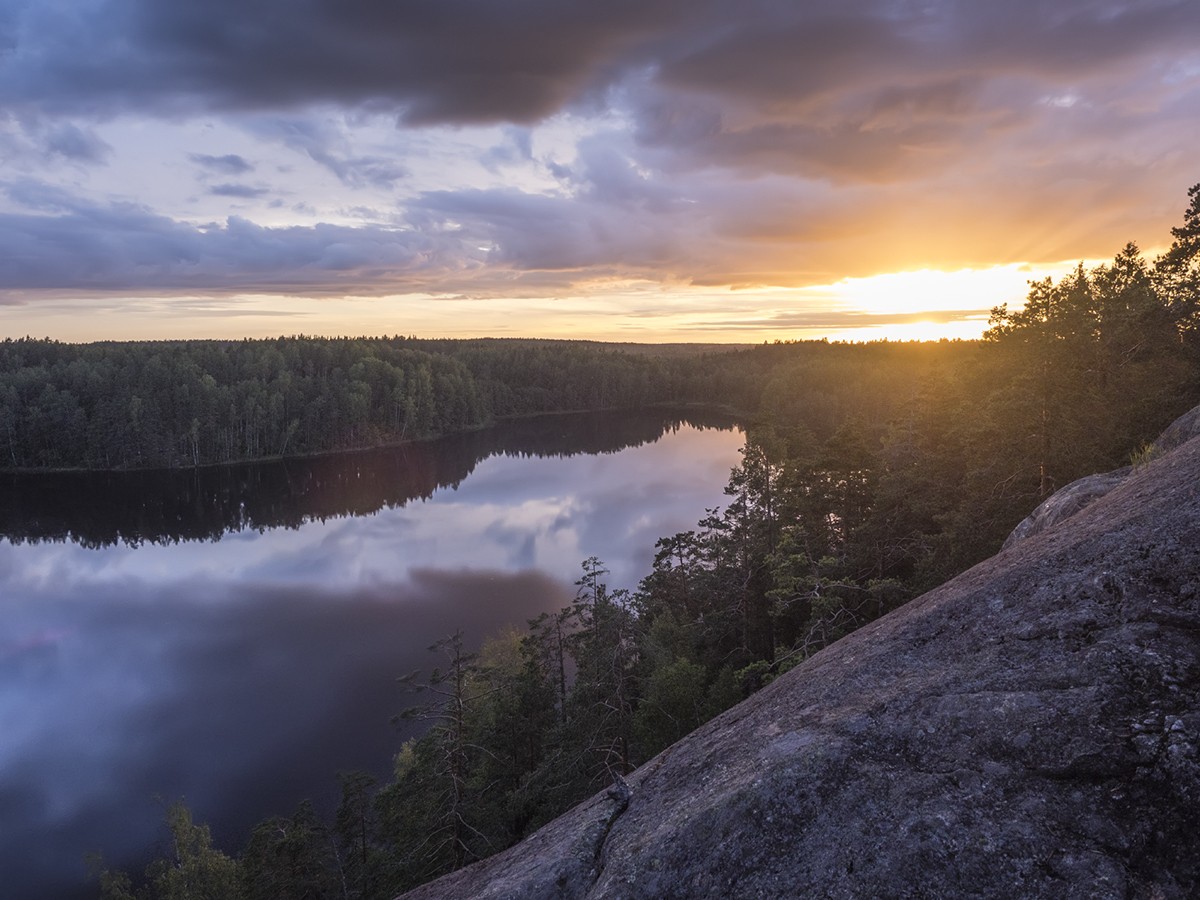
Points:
[(933, 290), (931, 304)]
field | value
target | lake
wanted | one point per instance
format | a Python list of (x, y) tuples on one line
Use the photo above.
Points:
[(232, 635)]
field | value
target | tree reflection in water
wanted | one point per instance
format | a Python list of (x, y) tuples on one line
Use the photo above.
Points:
[(233, 635)]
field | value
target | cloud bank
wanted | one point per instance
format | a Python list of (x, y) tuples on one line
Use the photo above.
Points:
[(466, 146)]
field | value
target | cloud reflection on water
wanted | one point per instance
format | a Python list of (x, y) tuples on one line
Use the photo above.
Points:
[(244, 673)]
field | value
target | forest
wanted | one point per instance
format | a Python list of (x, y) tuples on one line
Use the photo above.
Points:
[(870, 474), (172, 404)]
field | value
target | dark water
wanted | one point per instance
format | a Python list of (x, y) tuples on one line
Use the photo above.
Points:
[(232, 636)]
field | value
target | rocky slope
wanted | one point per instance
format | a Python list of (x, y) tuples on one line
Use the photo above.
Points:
[(1064, 503), (1029, 729)]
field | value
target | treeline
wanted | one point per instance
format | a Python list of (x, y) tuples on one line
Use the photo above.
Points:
[(163, 506), (871, 474), (170, 404)]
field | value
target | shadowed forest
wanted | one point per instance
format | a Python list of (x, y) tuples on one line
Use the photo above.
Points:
[(870, 474)]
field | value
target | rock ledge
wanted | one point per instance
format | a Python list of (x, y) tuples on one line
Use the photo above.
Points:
[(1028, 729)]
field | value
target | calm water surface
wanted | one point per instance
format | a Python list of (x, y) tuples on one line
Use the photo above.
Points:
[(232, 636)]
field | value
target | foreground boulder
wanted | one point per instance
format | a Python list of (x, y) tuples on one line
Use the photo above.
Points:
[(1064, 503), (1029, 729), (1067, 501)]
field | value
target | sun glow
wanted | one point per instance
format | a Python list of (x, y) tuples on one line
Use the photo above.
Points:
[(967, 329), (929, 290), (930, 304), (918, 305)]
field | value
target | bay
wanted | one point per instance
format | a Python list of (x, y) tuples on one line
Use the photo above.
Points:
[(232, 636)]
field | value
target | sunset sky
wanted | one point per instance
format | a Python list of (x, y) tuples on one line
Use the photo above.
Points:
[(646, 170)]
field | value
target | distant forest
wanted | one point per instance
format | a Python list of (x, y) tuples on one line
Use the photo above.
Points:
[(166, 506), (870, 473), (170, 404)]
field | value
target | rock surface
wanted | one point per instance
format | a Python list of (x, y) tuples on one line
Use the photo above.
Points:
[(1029, 729), (1067, 501), (1064, 503), (1180, 431)]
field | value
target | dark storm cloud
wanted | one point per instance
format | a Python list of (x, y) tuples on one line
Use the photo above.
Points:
[(516, 148), (64, 242), (539, 232), (363, 171), (239, 191), (796, 54), (465, 60), (319, 141), (29, 143), (478, 60), (877, 92), (610, 215), (610, 220), (229, 164), (865, 135), (76, 144)]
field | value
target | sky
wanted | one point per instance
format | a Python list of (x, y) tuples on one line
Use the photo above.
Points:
[(635, 170)]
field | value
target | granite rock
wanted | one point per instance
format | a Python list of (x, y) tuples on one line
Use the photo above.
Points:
[(1067, 501), (1029, 729)]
